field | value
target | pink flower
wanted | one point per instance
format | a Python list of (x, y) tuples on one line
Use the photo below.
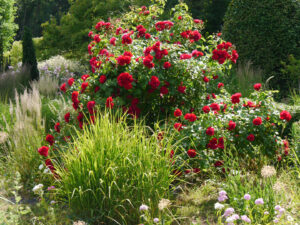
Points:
[(259, 201)]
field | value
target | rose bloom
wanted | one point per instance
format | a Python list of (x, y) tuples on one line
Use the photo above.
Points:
[(206, 109), (192, 153), (177, 113), (231, 125), (251, 137), (167, 65), (215, 107), (50, 139), (63, 87), (257, 121), (210, 131), (71, 81), (43, 151), (109, 102), (67, 117), (235, 98), (285, 115), (190, 117), (257, 86), (178, 126), (220, 85)]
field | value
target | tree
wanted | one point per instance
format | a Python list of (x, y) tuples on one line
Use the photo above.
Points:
[(32, 13), (29, 58), (73, 27), (264, 32), (7, 26)]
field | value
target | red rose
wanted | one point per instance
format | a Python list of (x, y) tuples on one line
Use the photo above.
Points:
[(197, 53), (285, 115), (206, 109), (90, 106), (205, 79), (219, 163), (220, 85), (178, 126), (126, 39), (102, 79), (49, 164), (251, 137), (185, 56), (80, 117), (231, 125), (167, 65), (63, 87), (190, 117), (75, 96), (97, 88), (257, 86), (257, 121), (235, 98), (84, 86), (84, 77), (57, 127), (164, 90), (213, 143), (109, 102), (125, 80), (112, 41), (221, 143), (192, 153), (97, 38), (123, 60), (181, 88), (71, 81), (43, 151), (50, 139), (210, 131), (177, 113), (154, 82), (67, 117), (147, 61), (215, 107)]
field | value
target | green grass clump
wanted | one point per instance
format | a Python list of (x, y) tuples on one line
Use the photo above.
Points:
[(112, 169)]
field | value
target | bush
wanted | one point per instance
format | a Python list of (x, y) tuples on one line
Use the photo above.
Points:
[(29, 58), (114, 169), (15, 79), (60, 68), (264, 32)]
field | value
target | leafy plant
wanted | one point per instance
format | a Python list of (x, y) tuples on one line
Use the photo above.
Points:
[(113, 170)]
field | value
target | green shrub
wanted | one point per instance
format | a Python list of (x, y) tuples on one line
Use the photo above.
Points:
[(291, 74), (112, 169), (264, 32)]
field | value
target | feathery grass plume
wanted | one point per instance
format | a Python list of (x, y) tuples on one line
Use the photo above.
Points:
[(112, 168), (26, 135), (164, 203), (268, 171), (3, 137), (278, 186), (46, 85)]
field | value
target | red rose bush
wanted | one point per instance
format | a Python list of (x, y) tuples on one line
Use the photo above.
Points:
[(155, 69)]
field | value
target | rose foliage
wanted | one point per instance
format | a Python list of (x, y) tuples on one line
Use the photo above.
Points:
[(154, 69)]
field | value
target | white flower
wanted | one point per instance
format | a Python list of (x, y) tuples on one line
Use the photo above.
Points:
[(218, 206), (47, 170), (38, 188), (41, 167), (144, 208), (52, 202), (232, 218), (155, 220), (266, 213)]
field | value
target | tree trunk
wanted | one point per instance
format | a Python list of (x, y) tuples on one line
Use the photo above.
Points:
[(1, 55)]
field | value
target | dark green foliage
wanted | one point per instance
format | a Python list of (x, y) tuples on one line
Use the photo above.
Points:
[(291, 72), (70, 34), (7, 27), (210, 11), (29, 58), (32, 13), (264, 32)]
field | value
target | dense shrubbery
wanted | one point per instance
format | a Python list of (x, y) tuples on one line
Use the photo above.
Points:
[(265, 32), (166, 67)]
